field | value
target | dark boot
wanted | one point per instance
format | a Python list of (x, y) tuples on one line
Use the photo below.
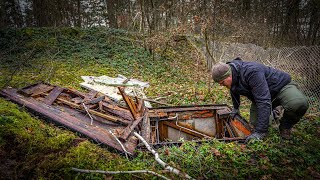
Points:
[(285, 134)]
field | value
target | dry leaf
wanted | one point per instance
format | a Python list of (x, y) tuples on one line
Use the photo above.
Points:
[(216, 152)]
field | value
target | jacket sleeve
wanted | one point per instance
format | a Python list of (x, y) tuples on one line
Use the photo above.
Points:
[(262, 98), (235, 99)]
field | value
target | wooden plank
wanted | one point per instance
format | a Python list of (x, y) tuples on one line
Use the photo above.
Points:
[(27, 91), (190, 108), (126, 132), (41, 89), (170, 124), (163, 131), (129, 103), (145, 129), (114, 109), (53, 95), (35, 89), (107, 117), (219, 126)]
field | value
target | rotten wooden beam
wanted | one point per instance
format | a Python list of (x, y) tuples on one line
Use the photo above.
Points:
[(129, 102), (53, 95), (119, 111)]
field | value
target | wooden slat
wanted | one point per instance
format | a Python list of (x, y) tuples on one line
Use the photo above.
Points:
[(145, 129), (53, 95), (126, 132), (114, 109), (170, 124), (189, 108), (27, 91), (219, 125), (163, 131), (42, 89), (107, 117), (35, 89), (129, 101)]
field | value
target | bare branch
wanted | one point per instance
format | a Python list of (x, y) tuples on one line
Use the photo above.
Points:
[(157, 158), (119, 172)]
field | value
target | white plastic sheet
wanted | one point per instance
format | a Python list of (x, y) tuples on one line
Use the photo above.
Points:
[(108, 86)]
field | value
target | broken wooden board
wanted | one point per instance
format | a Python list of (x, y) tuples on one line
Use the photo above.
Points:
[(68, 116), (187, 123)]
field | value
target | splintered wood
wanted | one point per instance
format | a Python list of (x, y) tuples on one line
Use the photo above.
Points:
[(98, 117), (93, 114)]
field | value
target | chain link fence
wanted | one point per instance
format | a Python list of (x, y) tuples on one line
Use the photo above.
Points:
[(302, 63)]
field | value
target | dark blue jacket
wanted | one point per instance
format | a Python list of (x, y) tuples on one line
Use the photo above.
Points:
[(260, 84)]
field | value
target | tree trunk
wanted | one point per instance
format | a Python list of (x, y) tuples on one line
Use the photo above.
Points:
[(111, 14)]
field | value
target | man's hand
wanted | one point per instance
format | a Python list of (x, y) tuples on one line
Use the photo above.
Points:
[(256, 135), (234, 112)]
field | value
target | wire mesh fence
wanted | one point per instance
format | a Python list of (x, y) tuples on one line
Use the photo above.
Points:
[(302, 63)]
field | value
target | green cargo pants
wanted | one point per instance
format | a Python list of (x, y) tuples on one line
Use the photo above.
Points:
[(293, 101)]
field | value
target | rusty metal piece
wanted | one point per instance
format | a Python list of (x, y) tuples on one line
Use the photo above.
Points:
[(155, 113)]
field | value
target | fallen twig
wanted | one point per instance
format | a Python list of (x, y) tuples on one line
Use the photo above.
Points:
[(157, 158), (124, 150), (114, 136), (85, 107), (119, 172)]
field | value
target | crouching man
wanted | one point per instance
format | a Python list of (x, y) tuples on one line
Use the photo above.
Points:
[(271, 91)]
